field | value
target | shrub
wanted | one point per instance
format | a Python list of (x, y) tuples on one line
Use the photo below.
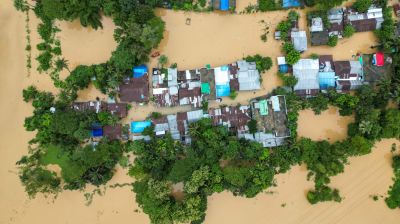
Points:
[(333, 40), (349, 30)]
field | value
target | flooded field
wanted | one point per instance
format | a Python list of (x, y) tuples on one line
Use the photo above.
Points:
[(210, 39)]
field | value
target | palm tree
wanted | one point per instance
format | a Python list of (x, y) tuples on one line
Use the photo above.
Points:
[(61, 64)]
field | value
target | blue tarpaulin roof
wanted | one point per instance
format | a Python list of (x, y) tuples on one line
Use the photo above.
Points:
[(139, 71), (290, 3), (139, 126), (223, 90), (284, 68), (224, 5), (96, 132), (326, 80)]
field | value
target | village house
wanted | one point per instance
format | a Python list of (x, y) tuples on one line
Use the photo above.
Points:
[(319, 35), (248, 76), (177, 125), (189, 91), (111, 132), (336, 21), (118, 109), (368, 21), (349, 75), (306, 71), (135, 88), (165, 87), (235, 118), (270, 115), (299, 40)]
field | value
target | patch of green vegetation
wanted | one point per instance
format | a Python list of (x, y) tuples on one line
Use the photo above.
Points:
[(56, 156), (393, 199), (263, 64)]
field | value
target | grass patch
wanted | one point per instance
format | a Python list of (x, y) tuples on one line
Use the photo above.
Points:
[(69, 169)]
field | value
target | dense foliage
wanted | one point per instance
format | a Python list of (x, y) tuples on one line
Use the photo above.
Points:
[(263, 64), (393, 200), (215, 161)]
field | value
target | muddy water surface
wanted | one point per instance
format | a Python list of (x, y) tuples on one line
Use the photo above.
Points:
[(210, 39), (328, 125)]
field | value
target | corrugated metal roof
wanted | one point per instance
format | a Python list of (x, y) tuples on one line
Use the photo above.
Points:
[(299, 40)]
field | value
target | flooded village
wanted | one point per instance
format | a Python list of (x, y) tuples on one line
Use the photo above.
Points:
[(210, 67)]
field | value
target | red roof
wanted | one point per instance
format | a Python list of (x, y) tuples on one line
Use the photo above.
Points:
[(380, 59)]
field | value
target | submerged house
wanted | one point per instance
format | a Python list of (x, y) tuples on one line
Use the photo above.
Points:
[(299, 40), (136, 88), (306, 71), (349, 75), (270, 115), (368, 21)]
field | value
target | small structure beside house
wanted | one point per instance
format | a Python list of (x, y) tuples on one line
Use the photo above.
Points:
[(306, 71), (271, 117), (378, 59), (283, 66), (291, 3), (368, 21), (299, 40), (224, 5), (316, 25), (135, 88)]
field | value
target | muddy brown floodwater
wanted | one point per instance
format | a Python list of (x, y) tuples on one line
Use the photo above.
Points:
[(210, 39), (329, 125)]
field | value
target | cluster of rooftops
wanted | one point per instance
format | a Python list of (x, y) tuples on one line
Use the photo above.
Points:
[(269, 113), (336, 21), (323, 73), (339, 18), (171, 87)]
